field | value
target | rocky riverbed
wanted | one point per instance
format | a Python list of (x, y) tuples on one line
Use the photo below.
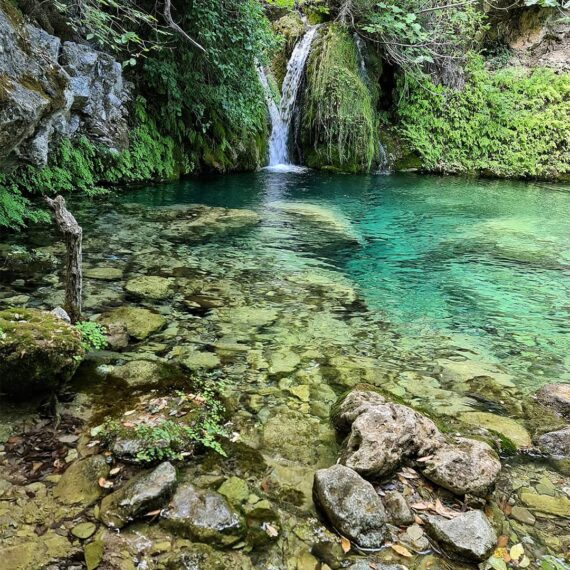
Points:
[(443, 460)]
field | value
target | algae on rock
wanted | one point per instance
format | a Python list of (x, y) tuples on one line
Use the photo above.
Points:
[(339, 123)]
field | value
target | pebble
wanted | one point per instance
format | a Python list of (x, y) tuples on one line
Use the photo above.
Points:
[(523, 515), (84, 530)]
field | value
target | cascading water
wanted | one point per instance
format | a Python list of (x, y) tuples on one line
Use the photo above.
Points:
[(360, 49), (281, 118)]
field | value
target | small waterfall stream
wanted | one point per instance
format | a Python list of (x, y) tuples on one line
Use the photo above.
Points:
[(281, 117)]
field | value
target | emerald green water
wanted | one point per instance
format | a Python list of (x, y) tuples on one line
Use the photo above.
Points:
[(483, 265)]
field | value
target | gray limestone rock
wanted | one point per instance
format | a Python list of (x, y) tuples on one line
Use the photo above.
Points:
[(351, 505), (470, 535)]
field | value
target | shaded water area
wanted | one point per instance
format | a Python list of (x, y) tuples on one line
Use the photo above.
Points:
[(449, 295)]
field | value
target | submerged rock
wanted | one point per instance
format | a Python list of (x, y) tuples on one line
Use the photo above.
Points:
[(558, 506), (204, 557), (140, 323), (203, 516), (351, 505), (138, 496), (143, 372), (103, 273), (385, 435), (506, 427), (556, 442), (468, 467), (150, 287), (79, 484), (38, 351), (557, 397), (469, 535)]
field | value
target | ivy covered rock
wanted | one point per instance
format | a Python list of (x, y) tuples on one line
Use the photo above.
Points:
[(39, 352)]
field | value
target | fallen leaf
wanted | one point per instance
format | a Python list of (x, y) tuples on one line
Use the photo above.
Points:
[(115, 470), (36, 466), (525, 562), (270, 530), (422, 506), (444, 511), (503, 541), (153, 513), (424, 459), (516, 551), (129, 413), (497, 563), (105, 484), (345, 544), (401, 550)]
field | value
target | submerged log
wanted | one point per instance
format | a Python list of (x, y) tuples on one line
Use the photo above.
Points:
[(73, 235)]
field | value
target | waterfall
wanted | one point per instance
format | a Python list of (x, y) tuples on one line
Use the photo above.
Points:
[(281, 118), (360, 50)]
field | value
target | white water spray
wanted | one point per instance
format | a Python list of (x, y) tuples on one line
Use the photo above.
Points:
[(282, 117)]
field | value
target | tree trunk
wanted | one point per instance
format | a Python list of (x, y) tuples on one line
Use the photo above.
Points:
[(73, 235)]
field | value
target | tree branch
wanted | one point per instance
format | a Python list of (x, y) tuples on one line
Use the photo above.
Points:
[(172, 24)]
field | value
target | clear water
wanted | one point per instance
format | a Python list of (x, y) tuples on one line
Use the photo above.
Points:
[(481, 264)]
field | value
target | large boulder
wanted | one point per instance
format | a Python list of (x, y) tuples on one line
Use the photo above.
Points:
[(555, 442), (469, 466), (385, 435), (38, 351), (469, 535), (351, 505), (143, 493), (557, 397), (203, 516)]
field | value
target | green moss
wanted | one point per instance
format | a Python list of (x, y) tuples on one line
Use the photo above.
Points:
[(38, 351), (511, 123), (339, 124)]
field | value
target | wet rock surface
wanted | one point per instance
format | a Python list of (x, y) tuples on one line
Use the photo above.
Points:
[(203, 516), (468, 535), (351, 505), (79, 484), (143, 493)]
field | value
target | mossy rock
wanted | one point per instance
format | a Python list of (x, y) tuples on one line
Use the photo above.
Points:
[(140, 323), (150, 287), (339, 130), (38, 351)]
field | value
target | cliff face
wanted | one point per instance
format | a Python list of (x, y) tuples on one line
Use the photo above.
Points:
[(50, 89), (536, 37)]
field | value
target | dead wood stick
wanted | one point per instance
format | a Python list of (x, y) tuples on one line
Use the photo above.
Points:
[(73, 235)]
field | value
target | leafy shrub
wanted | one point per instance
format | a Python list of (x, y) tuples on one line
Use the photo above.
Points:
[(92, 336), (507, 123)]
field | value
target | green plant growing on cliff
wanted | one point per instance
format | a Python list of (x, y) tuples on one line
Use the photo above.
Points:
[(416, 35), (92, 336), (508, 123), (339, 125)]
